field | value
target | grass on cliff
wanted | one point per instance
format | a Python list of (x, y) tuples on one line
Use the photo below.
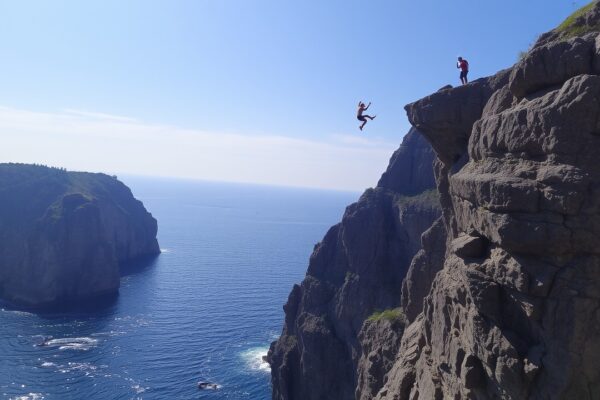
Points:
[(429, 198), (569, 28), (390, 315)]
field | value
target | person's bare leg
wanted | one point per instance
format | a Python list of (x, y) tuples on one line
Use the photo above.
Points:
[(363, 125)]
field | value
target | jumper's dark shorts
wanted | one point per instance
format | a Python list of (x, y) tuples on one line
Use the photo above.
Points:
[(361, 118), (463, 74)]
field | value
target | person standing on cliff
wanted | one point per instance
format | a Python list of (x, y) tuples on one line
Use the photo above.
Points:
[(463, 65), (363, 118)]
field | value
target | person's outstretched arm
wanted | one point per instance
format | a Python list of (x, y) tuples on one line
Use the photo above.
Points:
[(367, 107)]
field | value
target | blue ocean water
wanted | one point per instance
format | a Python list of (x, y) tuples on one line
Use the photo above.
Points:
[(205, 310)]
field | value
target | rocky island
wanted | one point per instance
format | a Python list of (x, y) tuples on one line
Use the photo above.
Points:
[(65, 235), (500, 296)]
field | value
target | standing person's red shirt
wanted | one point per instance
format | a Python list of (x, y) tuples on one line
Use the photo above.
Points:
[(464, 65)]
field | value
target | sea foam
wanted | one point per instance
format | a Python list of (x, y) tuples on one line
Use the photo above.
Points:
[(253, 359)]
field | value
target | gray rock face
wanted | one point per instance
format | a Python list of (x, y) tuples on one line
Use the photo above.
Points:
[(405, 173), (357, 269), (380, 341), (64, 234), (513, 313), (423, 268)]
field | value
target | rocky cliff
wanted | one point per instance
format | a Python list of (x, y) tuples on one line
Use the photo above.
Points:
[(355, 271), (503, 299), (64, 235), (513, 314)]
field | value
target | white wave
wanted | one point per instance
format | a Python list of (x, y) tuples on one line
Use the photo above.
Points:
[(138, 389), (48, 364), (16, 312), (109, 333), (211, 386), (29, 396), (87, 368), (78, 343), (253, 359), (165, 250)]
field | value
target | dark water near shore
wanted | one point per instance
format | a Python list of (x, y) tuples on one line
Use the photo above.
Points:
[(205, 309)]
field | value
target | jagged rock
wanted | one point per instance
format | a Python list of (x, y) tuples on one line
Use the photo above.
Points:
[(472, 374), (512, 314), (502, 300), (446, 117), (588, 21), (380, 341), (423, 268), (64, 234), (403, 173), (469, 246), (552, 64), (357, 268)]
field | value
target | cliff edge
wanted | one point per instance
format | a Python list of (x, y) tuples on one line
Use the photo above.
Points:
[(501, 299), (354, 272), (513, 314), (64, 235)]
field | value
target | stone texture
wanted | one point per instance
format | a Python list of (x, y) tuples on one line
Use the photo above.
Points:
[(446, 117), (512, 313), (552, 64), (423, 268), (587, 22), (357, 269), (64, 234), (502, 301), (405, 171), (469, 246), (380, 341)]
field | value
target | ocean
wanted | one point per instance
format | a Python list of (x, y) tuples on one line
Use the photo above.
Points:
[(206, 309)]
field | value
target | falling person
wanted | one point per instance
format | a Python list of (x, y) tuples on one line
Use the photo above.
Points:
[(363, 118)]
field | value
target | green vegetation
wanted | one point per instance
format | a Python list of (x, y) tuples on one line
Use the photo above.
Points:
[(570, 28), (521, 55), (30, 192), (390, 315), (429, 198)]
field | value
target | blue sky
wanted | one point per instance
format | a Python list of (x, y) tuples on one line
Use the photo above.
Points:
[(264, 76)]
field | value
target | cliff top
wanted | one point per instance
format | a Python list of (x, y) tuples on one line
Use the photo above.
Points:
[(28, 191), (585, 20)]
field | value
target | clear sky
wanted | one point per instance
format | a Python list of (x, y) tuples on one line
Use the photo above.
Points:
[(240, 90)]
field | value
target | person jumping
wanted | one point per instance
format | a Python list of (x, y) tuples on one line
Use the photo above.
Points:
[(464, 69), (363, 118)]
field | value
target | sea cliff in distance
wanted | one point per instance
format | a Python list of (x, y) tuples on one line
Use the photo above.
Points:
[(64, 236)]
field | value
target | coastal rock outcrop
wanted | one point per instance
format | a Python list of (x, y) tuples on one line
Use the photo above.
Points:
[(64, 235), (502, 299), (513, 313), (356, 270)]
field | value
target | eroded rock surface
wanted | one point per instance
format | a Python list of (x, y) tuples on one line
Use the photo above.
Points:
[(513, 314), (502, 300), (357, 269)]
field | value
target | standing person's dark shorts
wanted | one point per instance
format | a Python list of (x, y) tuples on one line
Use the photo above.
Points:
[(463, 74)]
